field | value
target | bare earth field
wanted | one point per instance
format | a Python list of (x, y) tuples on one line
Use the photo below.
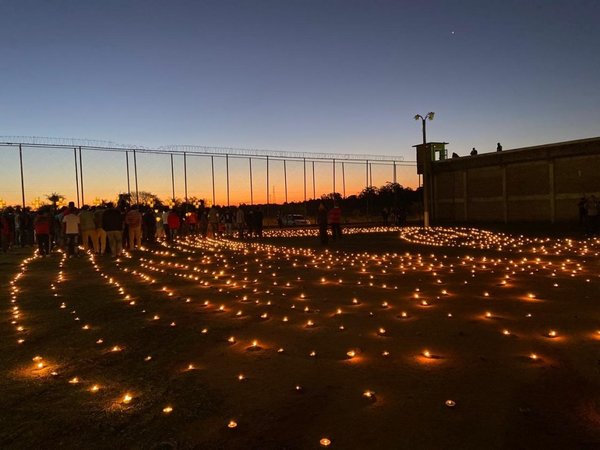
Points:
[(439, 339)]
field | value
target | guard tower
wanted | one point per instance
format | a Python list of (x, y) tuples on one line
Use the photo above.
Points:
[(426, 153), (431, 151)]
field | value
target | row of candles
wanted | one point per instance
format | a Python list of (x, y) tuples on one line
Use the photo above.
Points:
[(260, 264)]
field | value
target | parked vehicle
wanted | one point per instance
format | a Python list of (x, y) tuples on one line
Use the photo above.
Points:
[(294, 220)]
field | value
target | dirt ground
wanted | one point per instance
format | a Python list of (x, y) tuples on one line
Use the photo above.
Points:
[(453, 347)]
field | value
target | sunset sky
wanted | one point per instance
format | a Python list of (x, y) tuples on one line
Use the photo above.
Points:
[(319, 76)]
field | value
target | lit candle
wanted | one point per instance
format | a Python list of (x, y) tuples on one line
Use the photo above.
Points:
[(369, 394), (325, 442)]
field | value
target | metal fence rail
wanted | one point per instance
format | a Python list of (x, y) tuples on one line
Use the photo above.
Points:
[(185, 151)]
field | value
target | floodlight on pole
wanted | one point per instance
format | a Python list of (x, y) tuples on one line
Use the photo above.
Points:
[(429, 116), (426, 169)]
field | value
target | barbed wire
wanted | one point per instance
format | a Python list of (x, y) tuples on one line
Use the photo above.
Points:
[(194, 149)]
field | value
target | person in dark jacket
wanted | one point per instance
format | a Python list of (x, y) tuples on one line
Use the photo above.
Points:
[(112, 223)]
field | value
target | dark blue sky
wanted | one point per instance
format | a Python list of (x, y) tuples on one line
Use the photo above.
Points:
[(339, 76)]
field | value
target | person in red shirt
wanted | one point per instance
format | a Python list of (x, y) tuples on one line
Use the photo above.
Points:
[(192, 221), (173, 222), (335, 219), (42, 232)]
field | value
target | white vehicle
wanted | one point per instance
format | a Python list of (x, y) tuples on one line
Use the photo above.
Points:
[(294, 220)]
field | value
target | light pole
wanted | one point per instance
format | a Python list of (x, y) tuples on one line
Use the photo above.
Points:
[(426, 168), (429, 116)]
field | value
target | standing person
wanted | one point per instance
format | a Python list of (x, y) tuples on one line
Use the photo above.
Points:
[(150, 226), (17, 227), (26, 225), (4, 231), (499, 147), (88, 228), (58, 228), (192, 221), (160, 226), (240, 222), (71, 228), (112, 222), (228, 220), (133, 219), (42, 226), (165, 224), (335, 219), (100, 244), (474, 152), (173, 223), (322, 222), (203, 224), (29, 231), (251, 222)]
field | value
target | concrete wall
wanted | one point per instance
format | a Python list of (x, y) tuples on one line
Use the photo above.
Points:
[(533, 184)]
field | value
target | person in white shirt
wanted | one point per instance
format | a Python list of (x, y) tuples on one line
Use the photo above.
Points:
[(71, 228)]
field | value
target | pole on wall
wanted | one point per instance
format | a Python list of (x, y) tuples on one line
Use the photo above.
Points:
[(76, 177), (314, 182), (185, 186), (426, 187), (135, 176), (127, 165), (212, 166), (81, 176), (285, 181), (304, 166), (333, 165), (22, 180), (251, 183), (267, 180), (343, 180), (227, 175), (367, 186), (172, 179)]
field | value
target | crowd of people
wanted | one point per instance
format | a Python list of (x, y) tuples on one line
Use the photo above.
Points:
[(108, 229)]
